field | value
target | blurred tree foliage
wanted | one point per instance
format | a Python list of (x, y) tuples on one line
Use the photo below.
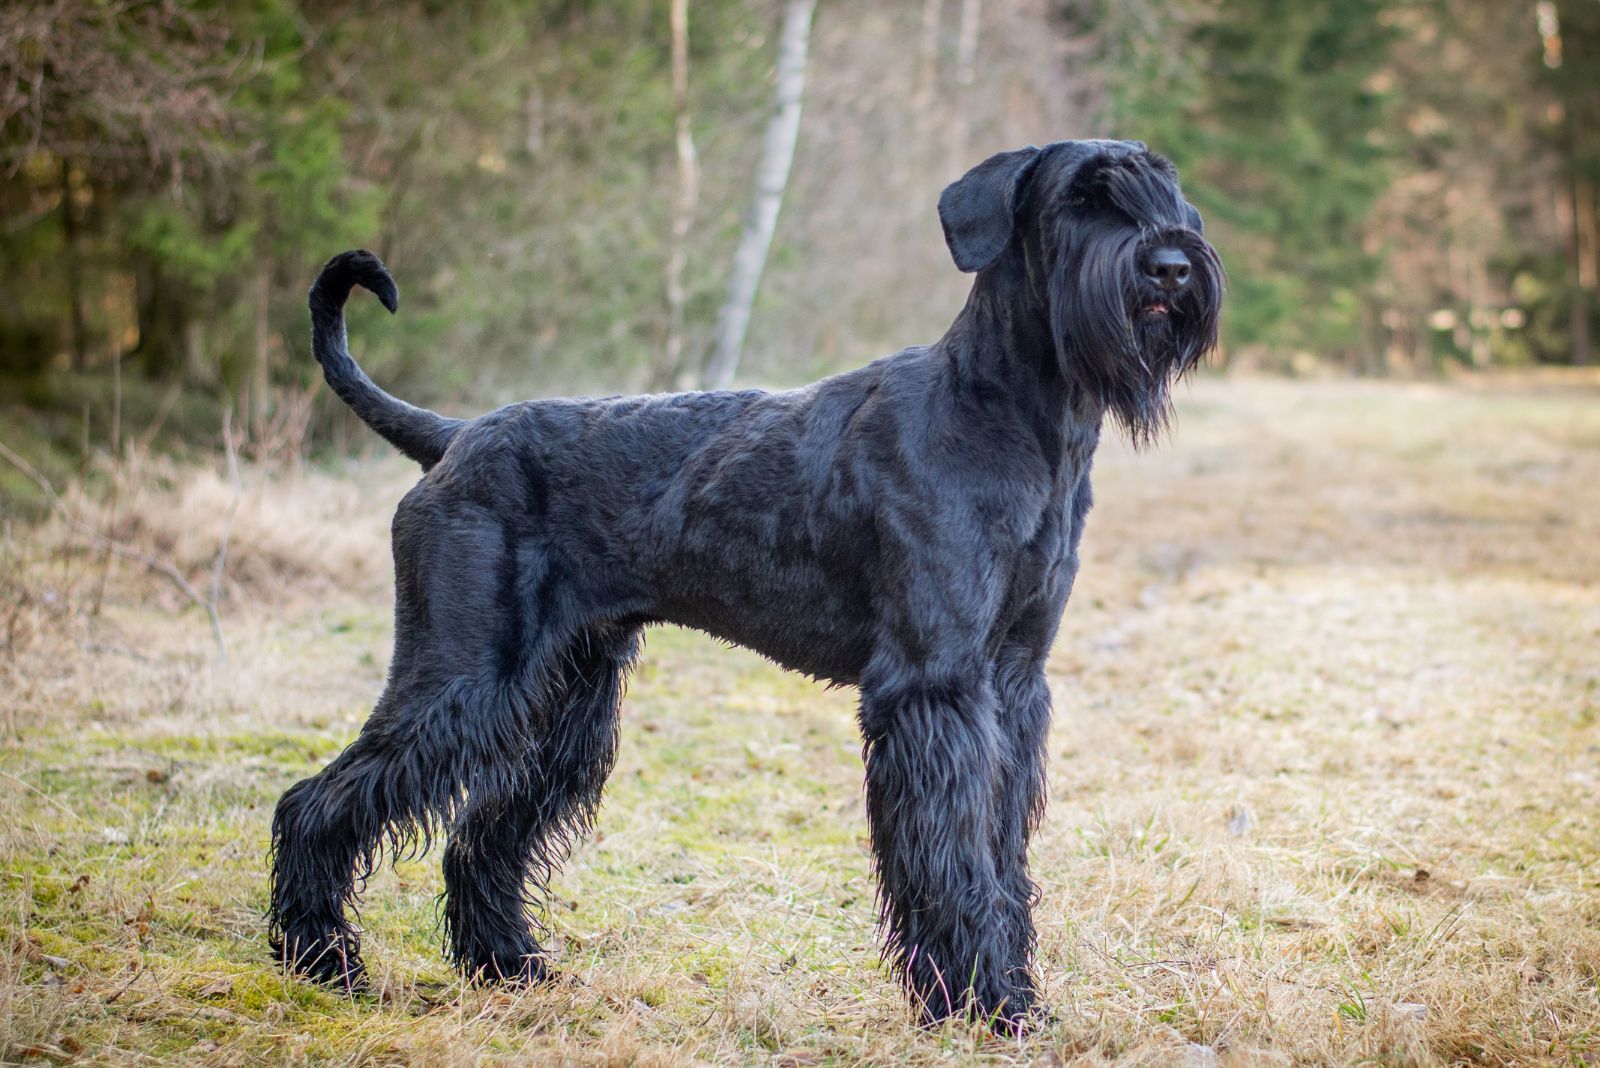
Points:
[(1394, 183), (172, 174), (1269, 110)]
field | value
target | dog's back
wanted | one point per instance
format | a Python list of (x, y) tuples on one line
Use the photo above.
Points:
[(911, 527)]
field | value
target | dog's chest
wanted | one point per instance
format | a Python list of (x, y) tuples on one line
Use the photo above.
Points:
[(1042, 570)]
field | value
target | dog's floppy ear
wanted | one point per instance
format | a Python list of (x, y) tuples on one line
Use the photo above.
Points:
[(978, 209)]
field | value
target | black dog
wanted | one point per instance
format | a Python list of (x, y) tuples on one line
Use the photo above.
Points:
[(910, 528)]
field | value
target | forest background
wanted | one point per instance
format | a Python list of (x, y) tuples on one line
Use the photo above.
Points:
[(1398, 187)]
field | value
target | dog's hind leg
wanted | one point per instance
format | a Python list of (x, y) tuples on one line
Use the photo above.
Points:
[(458, 712), (501, 843), (325, 837), (933, 755), (406, 772)]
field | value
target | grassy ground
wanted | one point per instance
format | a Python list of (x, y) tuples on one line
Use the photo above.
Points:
[(1325, 778)]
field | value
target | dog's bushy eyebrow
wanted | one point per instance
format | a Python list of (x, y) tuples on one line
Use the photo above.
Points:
[(1142, 186)]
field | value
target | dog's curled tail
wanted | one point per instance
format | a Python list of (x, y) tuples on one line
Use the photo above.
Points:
[(420, 434)]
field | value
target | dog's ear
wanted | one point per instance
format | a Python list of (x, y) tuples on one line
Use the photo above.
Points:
[(978, 209)]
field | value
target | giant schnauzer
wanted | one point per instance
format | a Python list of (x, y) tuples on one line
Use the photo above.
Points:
[(910, 528)]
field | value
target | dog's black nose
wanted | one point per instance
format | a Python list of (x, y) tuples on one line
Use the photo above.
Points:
[(1168, 268)]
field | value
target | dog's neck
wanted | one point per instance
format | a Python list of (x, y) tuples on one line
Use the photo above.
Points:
[(1001, 343)]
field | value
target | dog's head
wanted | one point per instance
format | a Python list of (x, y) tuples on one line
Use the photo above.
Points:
[(1099, 235)]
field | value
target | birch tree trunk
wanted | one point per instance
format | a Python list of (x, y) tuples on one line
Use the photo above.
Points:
[(928, 52), (683, 209), (967, 43), (966, 75), (772, 176)]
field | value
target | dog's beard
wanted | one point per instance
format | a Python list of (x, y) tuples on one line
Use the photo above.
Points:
[(1123, 343)]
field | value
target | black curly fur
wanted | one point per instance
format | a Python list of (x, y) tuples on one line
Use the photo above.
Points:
[(910, 527)]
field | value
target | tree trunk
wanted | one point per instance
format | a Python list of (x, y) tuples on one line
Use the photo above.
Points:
[(1584, 255), (194, 352), (688, 198), (1481, 315), (772, 176), (260, 395), (163, 311), (533, 120), (73, 264), (928, 52), (966, 75), (967, 43), (1580, 327)]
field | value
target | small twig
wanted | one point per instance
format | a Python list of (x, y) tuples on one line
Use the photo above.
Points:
[(102, 541), (125, 987)]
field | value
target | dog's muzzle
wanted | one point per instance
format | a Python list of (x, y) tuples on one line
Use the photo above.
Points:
[(1166, 272)]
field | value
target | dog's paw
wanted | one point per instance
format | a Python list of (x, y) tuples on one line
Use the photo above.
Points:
[(1022, 1013), (1012, 1014), (333, 961), (510, 969), (1021, 1023)]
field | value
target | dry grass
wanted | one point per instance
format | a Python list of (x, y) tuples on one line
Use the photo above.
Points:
[(1325, 778)]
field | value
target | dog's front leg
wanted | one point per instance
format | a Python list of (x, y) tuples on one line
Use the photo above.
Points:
[(1024, 700), (933, 755)]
